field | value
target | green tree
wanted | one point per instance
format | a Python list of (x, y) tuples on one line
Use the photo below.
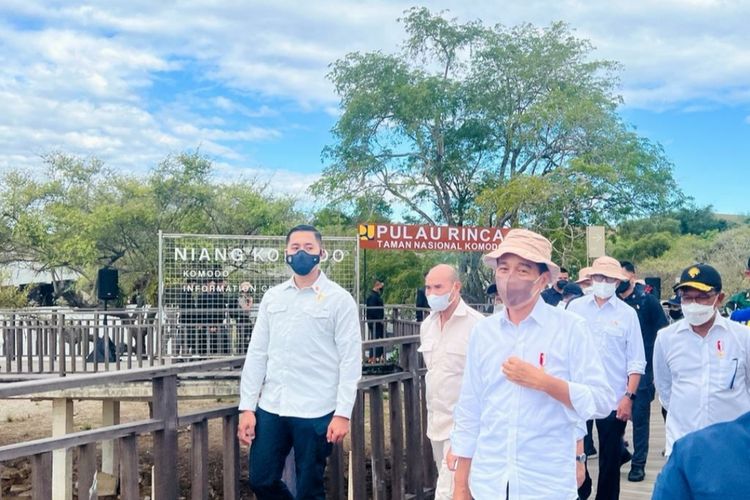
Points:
[(472, 124), (83, 216)]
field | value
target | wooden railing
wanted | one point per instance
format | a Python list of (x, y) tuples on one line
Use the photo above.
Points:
[(163, 426), (389, 455)]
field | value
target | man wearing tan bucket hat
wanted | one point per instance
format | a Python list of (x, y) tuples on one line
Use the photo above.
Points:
[(532, 375), (616, 329)]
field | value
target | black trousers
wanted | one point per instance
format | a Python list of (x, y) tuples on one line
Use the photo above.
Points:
[(377, 331), (611, 431), (275, 436), (642, 422)]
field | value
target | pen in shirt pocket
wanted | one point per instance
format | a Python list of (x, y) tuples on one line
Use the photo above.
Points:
[(541, 360), (734, 375)]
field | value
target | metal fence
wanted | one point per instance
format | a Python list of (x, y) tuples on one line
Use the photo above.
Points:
[(210, 287)]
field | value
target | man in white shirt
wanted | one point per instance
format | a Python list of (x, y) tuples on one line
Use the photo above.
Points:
[(299, 381), (532, 376), (444, 338), (616, 330), (701, 362)]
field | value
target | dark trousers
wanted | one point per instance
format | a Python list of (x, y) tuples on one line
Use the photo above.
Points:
[(275, 436), (588, 440), (641, 422), (611, 431), (377, 331)]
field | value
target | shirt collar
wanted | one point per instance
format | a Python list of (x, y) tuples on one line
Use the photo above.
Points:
[(317, 285), (538, 314), (720, 322)]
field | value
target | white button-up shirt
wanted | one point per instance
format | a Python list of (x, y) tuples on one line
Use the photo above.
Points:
[(305, 353), (702, 380), (617, 334), (520, 437), (444, 352)]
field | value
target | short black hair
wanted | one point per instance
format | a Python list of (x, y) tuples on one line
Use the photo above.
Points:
[(563, 270), (628, 266), (305, 228), (542, 267), (748, 263)]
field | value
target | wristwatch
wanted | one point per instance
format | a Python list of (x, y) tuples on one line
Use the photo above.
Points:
[(630, 395), (581, 459)]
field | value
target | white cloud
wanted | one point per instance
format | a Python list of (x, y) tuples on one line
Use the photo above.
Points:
[(85, 79)]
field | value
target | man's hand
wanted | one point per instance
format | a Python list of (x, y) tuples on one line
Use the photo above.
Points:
[(625, 409), (246, 427), (524, 374), (451, 460), (337, 429)]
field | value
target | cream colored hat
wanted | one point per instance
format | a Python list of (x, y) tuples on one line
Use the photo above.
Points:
[(528, 245), (609, 267)]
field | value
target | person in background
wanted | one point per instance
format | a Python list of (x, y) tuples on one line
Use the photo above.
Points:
[(701, 362), (421, 303), (375, 315), (571, 291), (584, 280), (299, 380), (554, 294), (497, 302), (709, 464), (617, 331), (674, 308), (444, 338), (741, 299), (652, 319), (532, 374)]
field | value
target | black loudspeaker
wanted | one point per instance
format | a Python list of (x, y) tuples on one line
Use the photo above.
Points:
[(655, 283), (107, 287)]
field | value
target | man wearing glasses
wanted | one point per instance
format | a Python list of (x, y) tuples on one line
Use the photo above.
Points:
[(617, 332), (701, 362)]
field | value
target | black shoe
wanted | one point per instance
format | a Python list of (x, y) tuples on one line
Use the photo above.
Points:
[(625, 457), (636, 474)]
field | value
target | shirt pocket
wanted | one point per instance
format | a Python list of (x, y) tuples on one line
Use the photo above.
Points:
[(730, 371), (427, 348), (320, 319), (454, 359)]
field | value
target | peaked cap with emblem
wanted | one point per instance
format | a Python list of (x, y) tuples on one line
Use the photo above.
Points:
[(701, 277)]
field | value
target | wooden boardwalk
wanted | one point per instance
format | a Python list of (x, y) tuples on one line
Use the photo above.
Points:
[(654, 463)]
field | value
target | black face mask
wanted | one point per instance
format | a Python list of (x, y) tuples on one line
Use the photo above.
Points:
[(675, 314), (302, 263), (561, 284), (622, 287)]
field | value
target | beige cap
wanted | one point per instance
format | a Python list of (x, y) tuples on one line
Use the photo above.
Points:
[(609, 267), (528, 245)]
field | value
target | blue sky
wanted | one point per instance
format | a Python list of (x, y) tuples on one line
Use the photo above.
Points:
[(133, 81)]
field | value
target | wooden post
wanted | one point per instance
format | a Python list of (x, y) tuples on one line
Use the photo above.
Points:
[(41, 476), (110, 416), (358, 459), (165, 441), (62, 460), (129, 489), (231, 458), (199, 460), (397, 440), (415, 480), (86, 471), (377, 443)]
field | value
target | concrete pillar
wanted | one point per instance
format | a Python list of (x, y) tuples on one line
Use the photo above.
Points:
[(110, 416), (62, 460)]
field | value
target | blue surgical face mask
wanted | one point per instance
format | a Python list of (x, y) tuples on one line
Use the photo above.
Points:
[(302, 263)]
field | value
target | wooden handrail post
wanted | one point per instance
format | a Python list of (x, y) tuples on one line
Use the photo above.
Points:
[(41, 476), (165, 441), (231, 458)]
